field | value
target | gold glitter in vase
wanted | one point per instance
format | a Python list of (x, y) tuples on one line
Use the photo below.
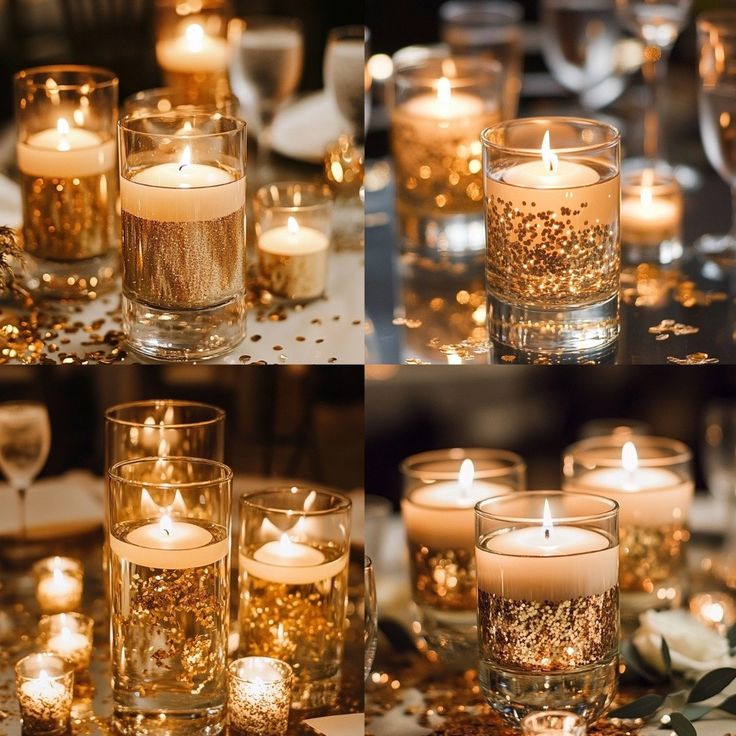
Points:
[(443, 579)]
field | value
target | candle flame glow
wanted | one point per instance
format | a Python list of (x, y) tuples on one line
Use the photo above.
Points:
[(165, 525), (549, 157), (292, 226), (285, 543), (629, 457), (43, 676), (186, 157), (58, 576), (466, 475), (65, 633), (194, 35), (647, 180), (444, 91), (62, 128), (547, 520)]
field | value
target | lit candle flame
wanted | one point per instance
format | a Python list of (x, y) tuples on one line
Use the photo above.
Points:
[(465, 476), (194, 35), (292, 226), (65, 633), (285, 543), (58, 576), (43, 676), (444, 91), (549, 157), (547, 520), (647, 180), (165, 525), (629, 457), (62, 128), (186, 157)]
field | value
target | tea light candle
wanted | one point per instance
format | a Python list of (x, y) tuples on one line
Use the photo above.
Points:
[(59, 584), (440, 515), (44, 687), (553, 723), (293, 260), (649, 214), (69, 636), (259, 690), (194, 51)]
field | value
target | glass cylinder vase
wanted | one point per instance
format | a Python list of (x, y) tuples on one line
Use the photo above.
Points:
[(547, 602), (294, 559), (170, 582), (67, 158), (182, 195), (552, 191)]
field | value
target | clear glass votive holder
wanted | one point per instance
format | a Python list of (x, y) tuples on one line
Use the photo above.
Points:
[(294, 560), (192, 47), (59, 583), (553, 260), (548, 602), (169, 584), (553, 723), (651, 216), (182, 195), (67, 157), (441, 105), (259, 696), (294, 233), (70, 636), (441, 487), (651, 478), (44, 685), (161, 100)]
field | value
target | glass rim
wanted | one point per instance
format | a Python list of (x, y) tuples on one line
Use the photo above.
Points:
[(679, 451), (438, 53), (107, 78), (322, 191), (125, 124), (452, 9), (67, 565), (349, 31), (66, 666), (609, 507), (344, 503), (285, 669), (217, 411), (515, 462), (205, 5), (227, 473), (546, 121), (52, 618), (156, 93)]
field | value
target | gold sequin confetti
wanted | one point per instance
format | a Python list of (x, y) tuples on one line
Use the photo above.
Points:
[(411, 324), (508, 358), (693, 359), (669, 326), (415, 361)]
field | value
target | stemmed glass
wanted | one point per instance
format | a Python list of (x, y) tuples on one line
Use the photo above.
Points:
[(344, 74), (371, 617), (25, 439), (717, 113), (719, 452), (657, 23)]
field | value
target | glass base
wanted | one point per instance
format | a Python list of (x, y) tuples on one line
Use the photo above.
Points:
[(553, 332), (315, 694), (84, 279), (664, 253), (205, 722), (184, 334), (437, 234), (514, 694)]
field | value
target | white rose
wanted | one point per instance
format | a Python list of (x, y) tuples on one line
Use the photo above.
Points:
[(694, 648)]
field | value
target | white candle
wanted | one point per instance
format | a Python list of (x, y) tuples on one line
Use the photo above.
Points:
[(444, 106), (441, 515), (194, 51), (59, 591), (291, 563), (259, 695), (66, 152), (547, 562), (293, 240), (646, 219), (71, 645), (647, 496), (44, 702)]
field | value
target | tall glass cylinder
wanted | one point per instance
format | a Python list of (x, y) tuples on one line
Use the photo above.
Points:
[(441, 488), (548, 602), (294, 559), (651, 478), (182, 195), (67, 158), (552, 192), (170, 582)]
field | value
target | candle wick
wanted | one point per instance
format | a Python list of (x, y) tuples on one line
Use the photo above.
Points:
[(167, 532), (546, 533), (182, 166)]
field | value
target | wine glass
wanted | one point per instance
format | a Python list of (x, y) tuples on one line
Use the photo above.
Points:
[(719, 452), (344, 74), (717, 113), (266, 65), (657, 23), (580, 40), (25, 438), (371, 617)]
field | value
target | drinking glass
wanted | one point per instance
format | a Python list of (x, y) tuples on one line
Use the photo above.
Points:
[(344, 73), (657, 23), (25, 438), (266, 65), (717, 112), (491, 29), (579, 44), (371, 616), (719, 452)]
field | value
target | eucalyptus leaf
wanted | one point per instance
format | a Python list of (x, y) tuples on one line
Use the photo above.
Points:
[(729, 705), (711, 684), (640, 708), (731, 636), (681, 725), (635, 663), (695, 712), (666, 658)]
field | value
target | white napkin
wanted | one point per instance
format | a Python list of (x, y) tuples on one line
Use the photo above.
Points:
[(346, 725), (10, 207)]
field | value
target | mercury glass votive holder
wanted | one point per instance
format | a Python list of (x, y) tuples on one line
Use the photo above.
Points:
[(70, 636), (59, 583), (294, 234), (192, 48), (259, 696), (441, 105), (294, 560), (441, 488), (67, 157), (44, 686), (182, 195), (553, 723), (651, 478), (553, 255), (170, 581), (651, 216), (548, 616), (161, 100)]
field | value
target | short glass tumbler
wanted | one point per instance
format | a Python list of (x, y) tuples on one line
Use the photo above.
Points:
[(170, 583), (294, 560), (548, 602), (44, 685), (182, 196), (441, 488), (552, 191), (67, 158)]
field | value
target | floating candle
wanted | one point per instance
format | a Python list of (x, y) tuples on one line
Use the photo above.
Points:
[(193, 51)]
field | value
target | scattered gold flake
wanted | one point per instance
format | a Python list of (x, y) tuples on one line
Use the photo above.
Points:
[(693, 359), (415, 361), (244, 358), (411, 324), (669, 326)]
